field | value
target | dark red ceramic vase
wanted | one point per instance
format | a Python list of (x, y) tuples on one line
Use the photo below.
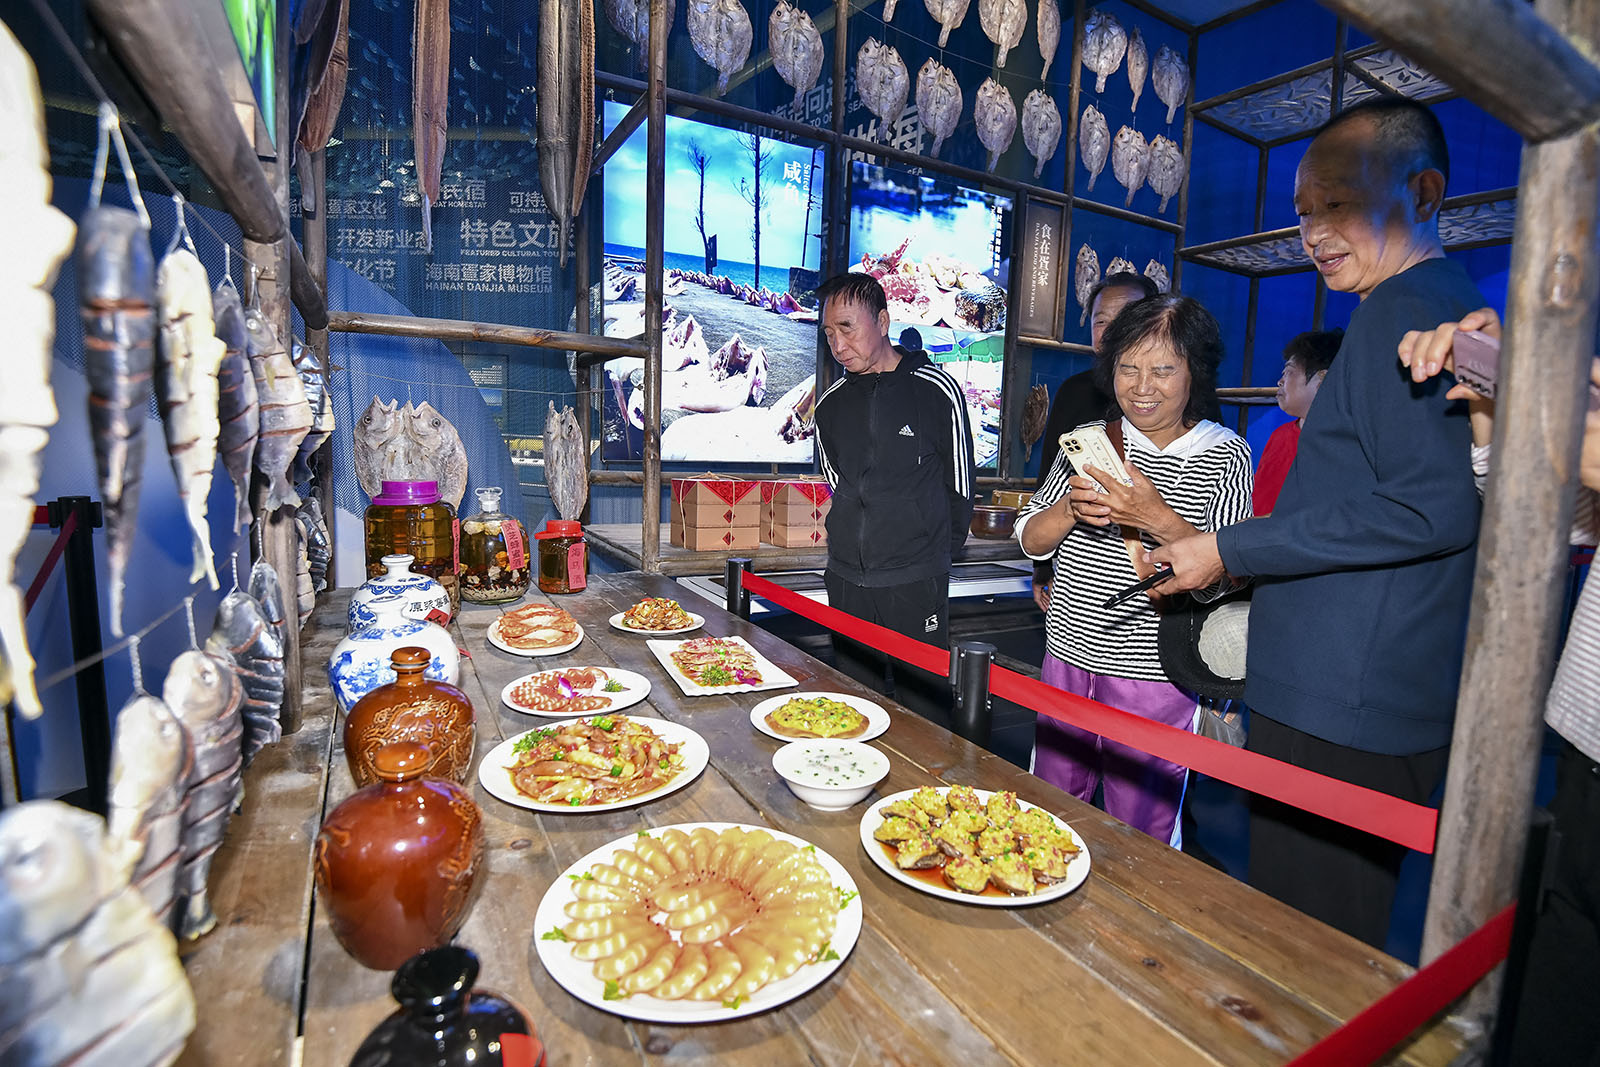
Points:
[(412, 708), (397, 863)]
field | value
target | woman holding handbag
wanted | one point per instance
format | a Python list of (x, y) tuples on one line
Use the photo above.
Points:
[(1188, 474)]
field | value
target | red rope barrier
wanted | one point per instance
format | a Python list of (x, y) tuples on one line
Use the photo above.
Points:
[(1390, 1019), (50, 560), (1389, 817)]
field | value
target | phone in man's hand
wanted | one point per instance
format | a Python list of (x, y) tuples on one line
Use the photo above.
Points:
[(1477, 362)]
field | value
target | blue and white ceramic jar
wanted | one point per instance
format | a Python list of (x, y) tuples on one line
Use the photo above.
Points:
[(360, 662), (425, 598)]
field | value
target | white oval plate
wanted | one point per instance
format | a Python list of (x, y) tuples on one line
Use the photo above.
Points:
[(695, 622), (877, 718), (1077, 869), (635, 687), (495, 774), (577, 976), (494, 639)]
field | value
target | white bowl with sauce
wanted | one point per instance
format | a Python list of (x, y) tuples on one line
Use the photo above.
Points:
[(829, 774)]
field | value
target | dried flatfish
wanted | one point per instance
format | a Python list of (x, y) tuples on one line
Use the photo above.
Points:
[(437, 451), (116, 292), (631, 18), (1085, 276), (190, 355), (938, 101), (239, 411), (248, 635), (1130, 160), (1104, 42), (888, 10), (430, 98), (1138, 65), (721, 32), (1118, 265), (1158, 274), (796, 49), (379, 446), (87, 974), (948, 14), (565, 114), (1170, 75), (305, 592), (310, 370), (882, 82), (1003, 22), (1041, 128), (204, 693), (43, 237), (285, 414), (1094, 142), (1035, 412), (566, 467), (995, 115), (1049, 30), (1166, 169), (150, 765)]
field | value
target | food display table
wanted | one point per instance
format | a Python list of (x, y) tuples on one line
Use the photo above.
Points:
[(1157, 959)]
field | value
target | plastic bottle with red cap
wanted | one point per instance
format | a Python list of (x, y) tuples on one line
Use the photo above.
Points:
[(563, 557)]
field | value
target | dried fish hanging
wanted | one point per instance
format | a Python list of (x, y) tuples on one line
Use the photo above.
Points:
[(1138, 65), (882, 82), (566, 466), (631, 18), (1170, 76), (888, 10), (1085, 276), (116, 290), (1130, 161), (948, 14), (565, 114), (1041, 128), (1035, 413), (319, 31), (1166, 170), (204, 693), (305, 593), (327, 97), (248, 635), (1158, 274), (430, 99), (938, 101), (1094, 142), (1118, 265), (239, 409), (995, 115), (1003, 22), (316, 387), (43, 236), (1047, 25), (1104, 42), (319, 547), (721, 33), (285, 413), (796, 48)]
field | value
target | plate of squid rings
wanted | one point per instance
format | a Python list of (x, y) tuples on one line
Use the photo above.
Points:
[(697, 922), (572, 691)]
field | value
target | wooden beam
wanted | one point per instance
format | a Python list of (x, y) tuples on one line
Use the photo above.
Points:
[(1504, 57), (1518, 590), (305, 289), (614, 139), (655, 186), (486, 332)]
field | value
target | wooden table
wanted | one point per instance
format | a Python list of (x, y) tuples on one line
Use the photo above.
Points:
[(621, 543), (1157, 959)]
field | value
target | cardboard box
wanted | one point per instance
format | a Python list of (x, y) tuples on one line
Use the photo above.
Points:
[(785, 536), (717, 539), (796, 513), (810, 492), (717, 502)]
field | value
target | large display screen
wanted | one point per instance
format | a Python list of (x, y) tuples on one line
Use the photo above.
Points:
[(743, 247), (942, 251)]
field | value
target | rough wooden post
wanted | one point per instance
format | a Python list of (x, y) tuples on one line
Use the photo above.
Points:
[(1522, 554), (314, 229), (584, 377), (654, 260)]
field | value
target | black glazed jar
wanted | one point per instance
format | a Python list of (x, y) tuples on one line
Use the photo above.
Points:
[(444, 1022)]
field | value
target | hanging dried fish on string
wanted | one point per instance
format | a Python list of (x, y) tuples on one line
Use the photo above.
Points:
[(204, 693), (310, 370), (267, 591), (239, 410), (995, 115), (1130, 160), (938, 101), (249, 637), (430, 100), (1048, 28), (1002, 22), (1170, 76), (1041, 128), (565, 111), (1035, 413), (948, 14), (566, 467), (1104, 42), (1085, 276), (883, 83), (1138, 65), (321, 39), (1120, 266), (796, 49), (888, 10), (43, 237), (631, 18), (319, 547), (1166, 170), (150, 768), (379, 444), (1094, 142), (1158, 274), (305, 593), (436, 450), (721, 33), (327, 96), (285, 415), (187, 391)]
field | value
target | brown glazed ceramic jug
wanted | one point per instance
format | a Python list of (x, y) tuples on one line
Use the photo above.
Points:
[(412, 708), (397, 863)]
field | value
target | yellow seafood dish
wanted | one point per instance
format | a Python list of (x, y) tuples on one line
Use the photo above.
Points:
[(816, 717)]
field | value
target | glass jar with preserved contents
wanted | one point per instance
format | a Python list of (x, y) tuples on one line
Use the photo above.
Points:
[(409, 517), (563, 557), (494, 554)]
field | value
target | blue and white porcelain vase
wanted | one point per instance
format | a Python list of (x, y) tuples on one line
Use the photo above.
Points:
[(425, 598), (360, 662)]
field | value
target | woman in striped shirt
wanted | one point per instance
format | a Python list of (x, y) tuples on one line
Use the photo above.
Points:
[(1189, 475)]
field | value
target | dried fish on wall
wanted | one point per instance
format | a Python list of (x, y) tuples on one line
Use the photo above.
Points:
[(1170, 76), (43, 237), (204, 693), (796, 48), (1035, 413), (438, 450), (995, 115), (1120, 266), (1085, 276), (319, 547), (409, 444), (948, 14), (327, 96), (1138, 65), (239, 410), (310, 370), (1104, 42), (1048, 28), (882, 82), (1003, 22), (151, 762), (248, 635), (721, 33), (1130, 160), (631, 18), (380, 445), (285, 414), (1158, 274), (430, 99), (565, 112), (566, 465), (1166, 169), (1094, 142), (1041, 128), (938, 101)]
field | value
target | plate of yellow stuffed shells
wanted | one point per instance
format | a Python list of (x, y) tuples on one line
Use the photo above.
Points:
[(975, 846), (697, 922)]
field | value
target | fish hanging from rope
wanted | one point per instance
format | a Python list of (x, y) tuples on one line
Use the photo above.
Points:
[(151, 763), (566, 467), (204, 693), (796, 49), (565, 110), (238, 408), (430, 99), (285, 414)]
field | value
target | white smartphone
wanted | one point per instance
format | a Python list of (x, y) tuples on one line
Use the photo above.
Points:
[(1089, 446)]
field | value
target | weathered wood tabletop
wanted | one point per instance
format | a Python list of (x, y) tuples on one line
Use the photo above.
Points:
[(1157, 959)]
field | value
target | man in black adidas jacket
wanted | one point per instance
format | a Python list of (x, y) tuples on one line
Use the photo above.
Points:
[(895, 445)]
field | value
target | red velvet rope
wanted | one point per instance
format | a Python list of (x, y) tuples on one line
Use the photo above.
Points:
[(1389, 817), (49, 564)]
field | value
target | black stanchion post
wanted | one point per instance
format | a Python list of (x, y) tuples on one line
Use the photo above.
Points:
[(83, 621), (969, 681), (738, 598)]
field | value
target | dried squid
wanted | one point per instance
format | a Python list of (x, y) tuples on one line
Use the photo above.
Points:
[(948, 14), (1170, 76), (1049, 31), (882, 82), (1158, 274), (1085, 276), (1094, 142), (1041, 128), (1130, 160), (796, 49), (995, 116), (631, 18), (938, 101), (1138, 65), (1003, 22), (565, 115), (430, 98), (1104, 42), (721, 32), (1166, 169)]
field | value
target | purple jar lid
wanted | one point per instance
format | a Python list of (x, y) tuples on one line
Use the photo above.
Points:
[(407, 493)]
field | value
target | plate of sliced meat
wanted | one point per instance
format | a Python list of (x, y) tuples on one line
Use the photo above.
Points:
[(535, 630), (573, 691)]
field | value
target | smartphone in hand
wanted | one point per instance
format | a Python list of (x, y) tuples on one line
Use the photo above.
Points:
[(1089, 446), (1477, 362)]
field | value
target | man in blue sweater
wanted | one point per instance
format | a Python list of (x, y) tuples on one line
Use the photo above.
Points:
[(1364, 569)]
